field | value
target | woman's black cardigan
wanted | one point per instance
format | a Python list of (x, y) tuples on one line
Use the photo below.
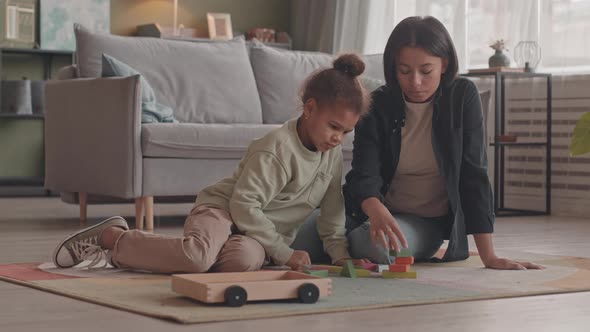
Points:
[(458, 144)]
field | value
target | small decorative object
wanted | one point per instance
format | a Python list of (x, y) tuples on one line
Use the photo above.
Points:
[(219, 26), (16, 97), (499, 59), (283, 38), (158, 31), (18, 23), (58, 18), (527, 55), (262, 34)]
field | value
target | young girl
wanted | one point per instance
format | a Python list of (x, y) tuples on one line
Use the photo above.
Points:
[(251, 218)]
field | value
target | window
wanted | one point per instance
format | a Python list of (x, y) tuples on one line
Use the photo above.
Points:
[(561, 27), (565, 33)]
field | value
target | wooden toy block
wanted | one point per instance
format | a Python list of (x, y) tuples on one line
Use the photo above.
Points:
[(362, 273), (235, 289), (382, 267), (404, 260), (335, 269), (404, 252), (399, 275), (367, 266), (330, 268), (399, 268), (318, 273), (348, 270), (338, 270)]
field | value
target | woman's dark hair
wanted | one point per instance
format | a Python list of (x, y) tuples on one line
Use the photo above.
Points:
[(339, 85), (427, 33)]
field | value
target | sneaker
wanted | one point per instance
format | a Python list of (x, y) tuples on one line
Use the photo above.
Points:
[(83, 245)]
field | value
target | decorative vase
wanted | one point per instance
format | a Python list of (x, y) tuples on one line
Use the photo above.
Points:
[(16, 97), (499, 59)]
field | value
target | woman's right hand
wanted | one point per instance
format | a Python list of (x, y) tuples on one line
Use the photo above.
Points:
[(383, 225), (299, 259)]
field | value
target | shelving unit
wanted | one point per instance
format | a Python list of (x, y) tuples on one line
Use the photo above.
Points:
[(500, 147), (47, 57)]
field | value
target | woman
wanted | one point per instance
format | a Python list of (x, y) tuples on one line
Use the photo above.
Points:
[(419, 169)]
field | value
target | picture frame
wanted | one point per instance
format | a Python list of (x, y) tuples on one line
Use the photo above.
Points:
[(219, 26), (18, 26)]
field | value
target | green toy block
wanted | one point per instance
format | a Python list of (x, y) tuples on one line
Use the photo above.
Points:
[(348, 270), (404, 252), (318, 273)]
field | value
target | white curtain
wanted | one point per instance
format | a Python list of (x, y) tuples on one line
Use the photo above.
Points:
[(560, 27)]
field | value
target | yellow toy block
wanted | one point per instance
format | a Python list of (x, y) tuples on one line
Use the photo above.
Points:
[(359, 272), (399, 275)]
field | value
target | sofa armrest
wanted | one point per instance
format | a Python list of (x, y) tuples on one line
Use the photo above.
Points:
[(92, 136)]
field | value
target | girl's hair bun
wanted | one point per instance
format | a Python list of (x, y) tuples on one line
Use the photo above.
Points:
[(350, 64)]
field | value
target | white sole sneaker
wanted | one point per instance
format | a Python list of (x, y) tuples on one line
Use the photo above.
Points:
[(83, 244)]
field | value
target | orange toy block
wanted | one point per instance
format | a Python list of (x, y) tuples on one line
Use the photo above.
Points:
[(399, 268), (404, 260)]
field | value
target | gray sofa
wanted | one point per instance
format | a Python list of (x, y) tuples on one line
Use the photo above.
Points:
[(224, 94)]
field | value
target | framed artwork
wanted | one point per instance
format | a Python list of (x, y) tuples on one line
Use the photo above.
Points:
[(219, 26), (58, 17), (17, 27)]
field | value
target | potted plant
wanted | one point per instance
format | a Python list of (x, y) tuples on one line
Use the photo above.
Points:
[(499, 59), (581, 138)]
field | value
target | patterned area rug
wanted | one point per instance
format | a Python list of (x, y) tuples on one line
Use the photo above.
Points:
[(151, 295)]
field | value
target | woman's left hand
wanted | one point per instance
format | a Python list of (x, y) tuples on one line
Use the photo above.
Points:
[(485, 247), (508, 264), (356, 262)]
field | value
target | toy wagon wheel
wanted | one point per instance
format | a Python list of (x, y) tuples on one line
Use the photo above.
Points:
[(308, 293), (235, 296)]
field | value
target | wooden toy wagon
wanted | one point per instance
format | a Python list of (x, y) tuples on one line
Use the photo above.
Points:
[(235, 289)]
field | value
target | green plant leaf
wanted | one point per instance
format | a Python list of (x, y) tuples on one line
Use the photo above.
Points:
[(581, 137)]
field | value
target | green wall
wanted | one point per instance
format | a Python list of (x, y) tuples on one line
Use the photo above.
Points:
[(127, 14), (245, 14), (21, 148)]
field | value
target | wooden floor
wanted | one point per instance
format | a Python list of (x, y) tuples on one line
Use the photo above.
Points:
[(31, 227)]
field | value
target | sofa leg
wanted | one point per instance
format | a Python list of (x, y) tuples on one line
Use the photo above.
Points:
[(139, 203), (83, 201), (149, 213)]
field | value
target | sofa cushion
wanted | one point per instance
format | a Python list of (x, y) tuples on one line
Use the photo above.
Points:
[(279, 77), (206, 141), (374, 66), (371, 84), (203, 82), (195, 140), (151, 110)]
